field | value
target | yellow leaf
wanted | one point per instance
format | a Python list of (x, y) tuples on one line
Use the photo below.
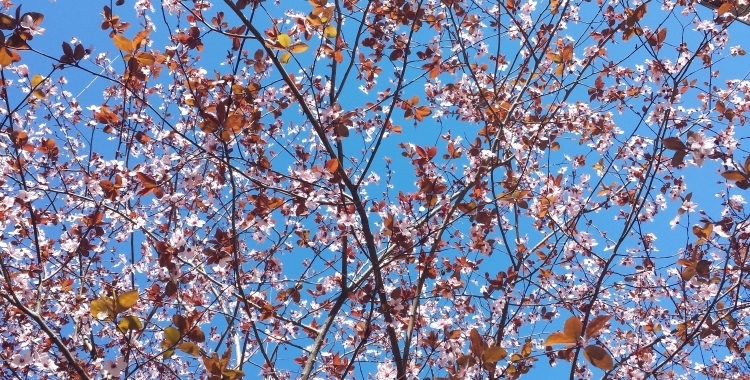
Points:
[(559, 338), (126, 300), (103, 309), (39, 94), (167, 354), (298, 47), (130, 322), (285, 57), (171, 336), (599, 357), (284, 40), (36, 80), (494, 354), (123, 43), (189, 348), (330, 31), (573, 327)]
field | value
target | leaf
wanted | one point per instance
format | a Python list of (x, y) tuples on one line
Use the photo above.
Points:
[(330, 31), (332, 165), (197, 335), (140, 38), (560, 337), (189, 348), (285, 57), (284, 40), (36, 80), (171, 337), (145, 58), (596, 324), (725, 8), (494, 354), (235, 123), (7, 22), (129, 323), (733, 175), (6, 57), (123, 43), (679, 158), (673, 143), (102, 309), (599, 357), (573, 327), (465, 361), (298, 47), (126, 300), (476, 343)]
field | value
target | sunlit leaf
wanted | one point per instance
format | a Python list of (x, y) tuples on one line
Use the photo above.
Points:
[(476, 343), (123, 43), (145, 58), (285, 57), (733, 175), (596, 324), (332, 165), (127, 300), (330, 31), (189, 348), (560, 337), (573, 327), (129, 323), (171, 337), (298, 47), (284, 40), (103, 309), (36, 80), (494, 354)]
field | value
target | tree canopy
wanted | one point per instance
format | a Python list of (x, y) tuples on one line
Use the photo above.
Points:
[(374, 189)]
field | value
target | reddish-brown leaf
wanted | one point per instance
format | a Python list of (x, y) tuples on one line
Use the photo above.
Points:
[(596, 324), (599, 357)]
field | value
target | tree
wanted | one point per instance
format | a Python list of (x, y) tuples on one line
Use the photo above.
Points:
[(379, 189)]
